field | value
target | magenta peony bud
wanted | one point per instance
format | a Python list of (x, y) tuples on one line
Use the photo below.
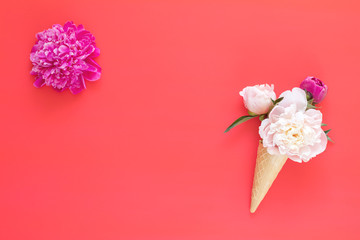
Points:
[(316, 87)]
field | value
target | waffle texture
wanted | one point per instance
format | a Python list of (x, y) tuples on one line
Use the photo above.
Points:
[(266, 170)]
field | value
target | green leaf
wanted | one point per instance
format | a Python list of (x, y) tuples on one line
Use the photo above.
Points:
[(329, 139), (252, 114), (308, 95), (323, 124), (239, 121), (261, 117), (277, 100), (310, 106), (327, 131)]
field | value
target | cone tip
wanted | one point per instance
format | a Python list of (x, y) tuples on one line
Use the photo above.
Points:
[(252, 209)]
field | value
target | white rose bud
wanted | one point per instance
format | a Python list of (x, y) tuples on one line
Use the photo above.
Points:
[(257, 98)]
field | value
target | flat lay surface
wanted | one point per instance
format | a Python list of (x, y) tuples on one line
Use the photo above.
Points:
[(142, 154)]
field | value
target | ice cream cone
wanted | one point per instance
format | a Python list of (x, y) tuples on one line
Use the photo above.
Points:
[(266, 169)]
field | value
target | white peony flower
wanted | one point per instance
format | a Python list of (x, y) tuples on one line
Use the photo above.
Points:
[(292, 130), (257, 98)]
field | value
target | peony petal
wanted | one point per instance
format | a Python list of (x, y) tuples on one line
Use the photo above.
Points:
[(63, 49), (91, 76), (76, 90), (35, 48), (314, 117), (82, 33), (91, 68), (59, 89), (91, 62), (87, 51), (96, 53), (69, 25), (296, 96), (39, 82), (318, 148), (276, 112), (263, 128), (80, 27), (295, 158), (273, 150)]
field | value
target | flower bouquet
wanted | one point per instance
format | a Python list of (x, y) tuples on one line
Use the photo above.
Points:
[(291, 127)]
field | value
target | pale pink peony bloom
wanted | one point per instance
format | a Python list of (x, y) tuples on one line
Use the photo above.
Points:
[(257, 99), (292, 130)]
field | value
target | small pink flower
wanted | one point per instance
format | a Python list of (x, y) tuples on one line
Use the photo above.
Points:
[(257, 99), (63, 58)]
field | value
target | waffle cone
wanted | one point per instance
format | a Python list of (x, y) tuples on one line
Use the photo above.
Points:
[(266, 169)]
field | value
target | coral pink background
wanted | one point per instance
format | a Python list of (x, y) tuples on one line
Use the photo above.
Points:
[(141, 154)]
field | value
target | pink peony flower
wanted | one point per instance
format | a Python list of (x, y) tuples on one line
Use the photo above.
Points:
[(292, 130), (257, 99), (63, 58)]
